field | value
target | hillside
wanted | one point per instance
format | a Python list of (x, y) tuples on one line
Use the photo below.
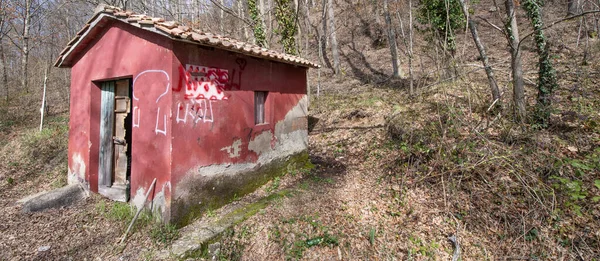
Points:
[(395, 175)]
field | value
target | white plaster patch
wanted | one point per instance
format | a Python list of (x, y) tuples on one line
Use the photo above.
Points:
[(234, 149), (159, 203), (261, 144), (138, 199), (76, 170)]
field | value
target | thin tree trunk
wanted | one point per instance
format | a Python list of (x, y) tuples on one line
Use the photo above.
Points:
[(307, 26), (25, 47), (222, 18), (482, 53), (242, 14), (392, 40), (324, 18), (517, 68), (334, 45), (410, 49), (4, 74), (43, 108)]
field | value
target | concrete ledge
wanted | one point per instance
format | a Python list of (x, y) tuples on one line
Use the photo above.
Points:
[(57, 198), (197, 236)]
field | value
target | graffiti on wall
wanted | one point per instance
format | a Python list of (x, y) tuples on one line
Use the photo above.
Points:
[(202, 86), (148, 80)]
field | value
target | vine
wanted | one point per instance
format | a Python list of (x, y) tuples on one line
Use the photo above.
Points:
[(286, 19), (257, 28), (547, 81), (443, 22)]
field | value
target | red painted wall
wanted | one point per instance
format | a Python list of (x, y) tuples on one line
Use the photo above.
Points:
[(202, 143), (123, 51), (180, 121)]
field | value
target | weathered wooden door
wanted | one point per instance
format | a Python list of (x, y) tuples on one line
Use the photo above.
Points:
[(115, 140)]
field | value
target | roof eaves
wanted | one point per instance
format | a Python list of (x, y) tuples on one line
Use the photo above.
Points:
[(175, 31)]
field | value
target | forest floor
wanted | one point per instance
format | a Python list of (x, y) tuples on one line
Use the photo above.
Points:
[(394, 176)]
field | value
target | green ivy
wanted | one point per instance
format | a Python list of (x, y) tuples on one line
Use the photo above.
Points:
[(259, 31), (286, 18), (433, 13), (547, 81)]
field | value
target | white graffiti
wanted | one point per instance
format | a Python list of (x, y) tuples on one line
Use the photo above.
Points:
[(164, 129), (136, 116), (137, 111), (196, 110)]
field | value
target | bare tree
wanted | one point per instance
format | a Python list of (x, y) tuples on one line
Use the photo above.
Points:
[(391, 39), (515, 55), (333, 38), (3, 15), (484, 58)]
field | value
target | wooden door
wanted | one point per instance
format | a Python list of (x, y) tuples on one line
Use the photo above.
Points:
[(115, 139)]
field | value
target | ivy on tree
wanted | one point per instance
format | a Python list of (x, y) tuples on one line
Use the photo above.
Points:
[(286, 19), (547, 81), (443, 24), (259, 31)]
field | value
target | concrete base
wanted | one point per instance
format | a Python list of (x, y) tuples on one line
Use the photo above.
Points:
[(196, 237), (57, 198), (117, 192)]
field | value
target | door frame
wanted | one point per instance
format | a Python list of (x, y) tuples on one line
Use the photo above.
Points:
[(106, 148)]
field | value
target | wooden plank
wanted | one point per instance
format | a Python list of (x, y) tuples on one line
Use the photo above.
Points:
[(121, 146), (106, 134)]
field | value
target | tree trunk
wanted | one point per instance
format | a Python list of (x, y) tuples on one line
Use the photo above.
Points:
[(324, 19), (242, 13), (221, 18), (484, 58), (547, 81), (25, 47), (517, 68), (410, 48), (391, 39), (4, 74), (572, 7), (334, 45)]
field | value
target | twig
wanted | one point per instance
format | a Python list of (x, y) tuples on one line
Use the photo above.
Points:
[(492, 25), (557, 22), (138, 212)]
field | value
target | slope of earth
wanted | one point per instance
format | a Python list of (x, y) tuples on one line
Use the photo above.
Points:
[(396, 175), (34, 161), (502, 191)]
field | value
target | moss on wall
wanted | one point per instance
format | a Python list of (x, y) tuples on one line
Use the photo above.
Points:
[(212, 193)]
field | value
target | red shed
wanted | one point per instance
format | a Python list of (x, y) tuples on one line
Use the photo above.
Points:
[(209, 117)]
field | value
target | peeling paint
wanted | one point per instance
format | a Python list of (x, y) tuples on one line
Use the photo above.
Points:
[(261, 144), (234, 149), (77, 170), (159, 203)]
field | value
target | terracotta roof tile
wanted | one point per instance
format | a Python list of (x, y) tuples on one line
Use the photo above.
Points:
[(174, 30)]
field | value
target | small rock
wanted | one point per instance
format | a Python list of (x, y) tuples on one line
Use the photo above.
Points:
[(43, 248), (493, 9), (396, 188)]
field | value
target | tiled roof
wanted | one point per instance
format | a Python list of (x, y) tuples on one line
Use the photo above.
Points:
[(171, 29)]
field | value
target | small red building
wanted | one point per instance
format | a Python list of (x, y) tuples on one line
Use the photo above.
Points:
[(209, 117)]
